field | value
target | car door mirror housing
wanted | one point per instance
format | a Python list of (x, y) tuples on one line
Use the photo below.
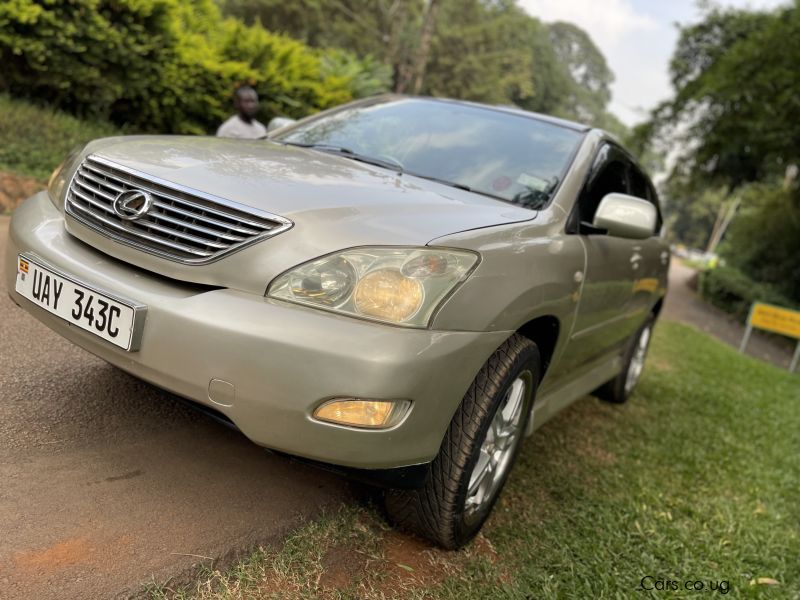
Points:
[(626, 216)]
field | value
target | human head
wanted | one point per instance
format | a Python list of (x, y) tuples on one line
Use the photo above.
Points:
[(245, 99)]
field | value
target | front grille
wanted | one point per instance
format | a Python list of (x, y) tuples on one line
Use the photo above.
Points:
[(182, 225)]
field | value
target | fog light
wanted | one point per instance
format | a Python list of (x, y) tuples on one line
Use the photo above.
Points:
[(353, 412)]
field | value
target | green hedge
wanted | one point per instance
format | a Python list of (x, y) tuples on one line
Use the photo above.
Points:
[(34, 140), (734, 292), (163, 65)]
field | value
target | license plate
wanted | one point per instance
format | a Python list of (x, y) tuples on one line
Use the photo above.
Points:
[(109, 317)]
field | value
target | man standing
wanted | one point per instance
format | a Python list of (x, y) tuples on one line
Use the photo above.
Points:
[(243, 124)]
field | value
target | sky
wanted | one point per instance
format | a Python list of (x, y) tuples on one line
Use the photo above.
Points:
[(637, 38)]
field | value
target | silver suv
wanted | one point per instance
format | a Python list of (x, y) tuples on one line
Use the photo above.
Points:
[(401, 287)]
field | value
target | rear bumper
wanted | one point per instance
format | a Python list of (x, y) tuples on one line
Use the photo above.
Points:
[(282, 360)]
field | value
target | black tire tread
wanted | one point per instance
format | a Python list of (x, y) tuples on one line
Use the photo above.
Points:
[(429, 511), (613, 391)]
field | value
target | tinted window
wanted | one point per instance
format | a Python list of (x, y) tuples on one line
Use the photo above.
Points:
[(640, 186), (612, 171), (609, 174), (512, 157)]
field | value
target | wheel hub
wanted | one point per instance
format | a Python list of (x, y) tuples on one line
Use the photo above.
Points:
[(497, 448), (636, 365)]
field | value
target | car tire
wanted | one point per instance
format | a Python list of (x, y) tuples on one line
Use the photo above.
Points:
[(478, 451), (619, 389)]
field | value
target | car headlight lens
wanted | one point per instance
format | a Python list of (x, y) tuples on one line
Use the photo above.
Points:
[(326, 282), (389, 295), (403, 286), (60, 178)]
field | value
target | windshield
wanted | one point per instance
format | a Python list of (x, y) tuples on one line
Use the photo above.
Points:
[(511, 157)]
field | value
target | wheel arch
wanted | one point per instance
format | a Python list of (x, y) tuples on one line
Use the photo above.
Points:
[(656, 310), (543, 331)]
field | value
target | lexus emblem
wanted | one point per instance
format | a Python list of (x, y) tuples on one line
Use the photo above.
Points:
[(132, 204)]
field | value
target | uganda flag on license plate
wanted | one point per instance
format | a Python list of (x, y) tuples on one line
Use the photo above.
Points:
[(23, 265)]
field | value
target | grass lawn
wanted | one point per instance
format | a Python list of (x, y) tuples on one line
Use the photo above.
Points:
[(696, 479)]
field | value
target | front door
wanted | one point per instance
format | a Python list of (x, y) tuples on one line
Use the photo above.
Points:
[(610, 307)]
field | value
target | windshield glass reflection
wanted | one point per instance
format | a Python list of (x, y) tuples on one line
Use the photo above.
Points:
[(512, 157)]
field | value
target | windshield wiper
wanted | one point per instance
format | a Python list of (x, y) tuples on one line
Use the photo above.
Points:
[(454, 184), (460, 186), (351, 154), (394, 166)]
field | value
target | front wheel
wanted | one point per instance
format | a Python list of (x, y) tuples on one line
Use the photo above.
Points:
[(478, 451)]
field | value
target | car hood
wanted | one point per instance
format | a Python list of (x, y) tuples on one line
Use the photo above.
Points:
[(333, 202), (306, 185)]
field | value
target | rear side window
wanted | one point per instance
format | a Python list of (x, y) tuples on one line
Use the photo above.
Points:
[(641, 187)]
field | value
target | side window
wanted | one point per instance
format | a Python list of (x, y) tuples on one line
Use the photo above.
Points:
[(609, 174), (640, 187), (612, 171)]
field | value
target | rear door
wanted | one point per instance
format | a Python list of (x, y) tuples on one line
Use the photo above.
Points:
[(651, 275)]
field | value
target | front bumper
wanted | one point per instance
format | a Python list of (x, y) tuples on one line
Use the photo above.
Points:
[(281, 359)]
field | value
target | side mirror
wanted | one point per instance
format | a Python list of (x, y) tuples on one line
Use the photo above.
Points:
[(625, 216), (279, 123)]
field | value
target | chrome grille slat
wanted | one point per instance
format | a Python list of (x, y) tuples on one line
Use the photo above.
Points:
[(119, 227), (95, 191), (164, 217), (94, 202), (143, 185), (107, 184), (204, 218), (180, 234), (183, 225)]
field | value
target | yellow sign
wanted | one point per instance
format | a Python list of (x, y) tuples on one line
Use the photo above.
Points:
[(776, 319)]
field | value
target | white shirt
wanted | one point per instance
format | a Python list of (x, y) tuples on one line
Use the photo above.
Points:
[(236, 128)]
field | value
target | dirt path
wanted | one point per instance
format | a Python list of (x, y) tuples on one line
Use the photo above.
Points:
[(107, 483), (684, 305)]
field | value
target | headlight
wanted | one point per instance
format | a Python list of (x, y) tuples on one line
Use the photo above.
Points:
[(403, 286), (60, 178)]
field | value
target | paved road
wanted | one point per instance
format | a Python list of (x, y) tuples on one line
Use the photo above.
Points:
[(683, 304), (107, 483)]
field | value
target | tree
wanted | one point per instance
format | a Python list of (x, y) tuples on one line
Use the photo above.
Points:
[(411, 77), (692, 213), (484, 50), (733, 128), (480, 52), (387, 30), (586, 70), (165, 65), (737, 96), (764, 239)]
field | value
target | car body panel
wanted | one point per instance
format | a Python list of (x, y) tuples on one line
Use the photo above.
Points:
[(282, 359), (333, 202), (599, 288), (213, 321)]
